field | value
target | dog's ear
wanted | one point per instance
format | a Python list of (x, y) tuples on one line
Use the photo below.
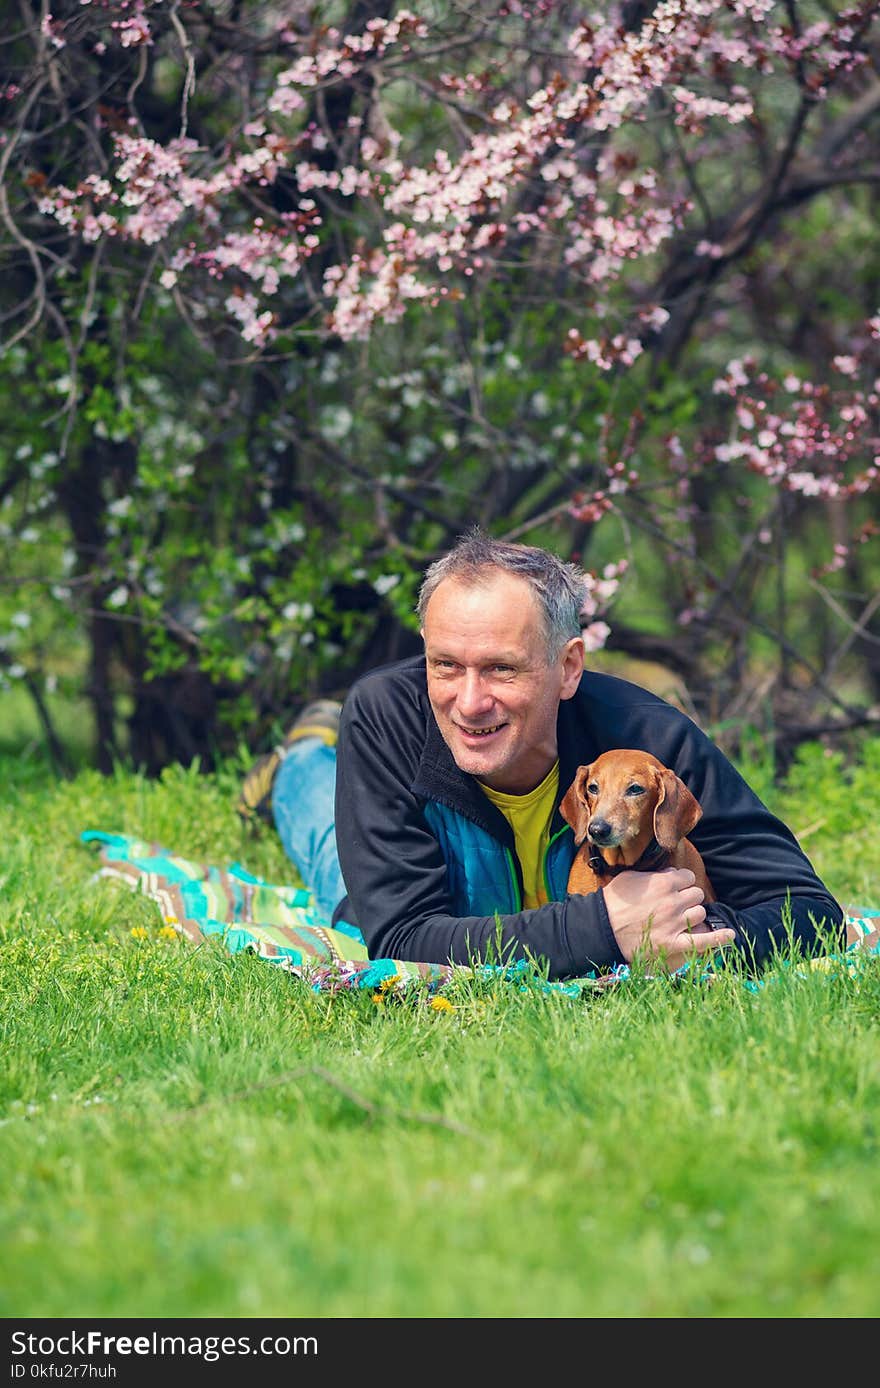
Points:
[(574, 808), (676, 811)]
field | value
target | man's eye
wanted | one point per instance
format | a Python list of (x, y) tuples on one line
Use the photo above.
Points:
[(503, 669), (635, 789)]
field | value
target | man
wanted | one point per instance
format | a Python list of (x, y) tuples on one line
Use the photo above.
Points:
[(449, 773)]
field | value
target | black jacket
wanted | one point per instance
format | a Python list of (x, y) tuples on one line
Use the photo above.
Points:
[(397, 780)]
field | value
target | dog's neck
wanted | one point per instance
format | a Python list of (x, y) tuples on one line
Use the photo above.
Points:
[(651, 860)]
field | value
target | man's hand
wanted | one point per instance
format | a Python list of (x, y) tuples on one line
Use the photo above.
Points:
[(661, 916)]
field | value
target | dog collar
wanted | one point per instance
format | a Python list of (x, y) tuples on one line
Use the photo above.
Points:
[(653, 859)]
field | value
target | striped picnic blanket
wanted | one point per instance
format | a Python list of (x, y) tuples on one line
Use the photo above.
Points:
[(281, 925), (278, 923)]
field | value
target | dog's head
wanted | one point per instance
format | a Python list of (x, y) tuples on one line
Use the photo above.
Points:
[(624, 798)]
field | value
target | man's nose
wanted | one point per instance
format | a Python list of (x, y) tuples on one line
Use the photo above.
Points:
[(473, 695)]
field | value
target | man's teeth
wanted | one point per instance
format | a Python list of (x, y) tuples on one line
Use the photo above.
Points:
[(483, 732)]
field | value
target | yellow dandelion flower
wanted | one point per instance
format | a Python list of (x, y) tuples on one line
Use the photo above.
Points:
[(390, 982), (139, 932), (377, 998), (823, 965), (442, 1005), (167, 932)]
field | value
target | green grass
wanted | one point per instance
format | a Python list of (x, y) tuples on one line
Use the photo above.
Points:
[(183, 1133)]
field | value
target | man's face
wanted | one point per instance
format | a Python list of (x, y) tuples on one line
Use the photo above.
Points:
[(493, 693)]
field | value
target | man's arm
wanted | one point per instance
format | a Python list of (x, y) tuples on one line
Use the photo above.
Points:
[(760, 875)]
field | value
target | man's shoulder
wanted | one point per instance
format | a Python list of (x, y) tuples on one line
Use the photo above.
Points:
[(403, 676), (609, 691), (618, 713), (386, 715)]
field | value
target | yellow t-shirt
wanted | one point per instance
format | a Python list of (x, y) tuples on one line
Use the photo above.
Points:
[(529, 817)]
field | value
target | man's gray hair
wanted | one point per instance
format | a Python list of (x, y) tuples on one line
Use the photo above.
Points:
[(560, 587)]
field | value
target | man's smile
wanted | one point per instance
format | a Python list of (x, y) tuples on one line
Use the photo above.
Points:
[(479, 734)]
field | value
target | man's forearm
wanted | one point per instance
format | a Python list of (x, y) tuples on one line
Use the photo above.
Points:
[(768, 927), (572, 937)]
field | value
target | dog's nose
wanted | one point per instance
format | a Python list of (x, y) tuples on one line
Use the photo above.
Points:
[(599, 830)]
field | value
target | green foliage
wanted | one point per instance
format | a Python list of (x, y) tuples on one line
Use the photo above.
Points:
[(179, 514), (834, 797)]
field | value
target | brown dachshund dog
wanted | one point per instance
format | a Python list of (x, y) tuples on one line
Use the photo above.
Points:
[(628, 810)]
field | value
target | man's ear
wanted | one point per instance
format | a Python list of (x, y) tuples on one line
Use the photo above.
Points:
[(676, 811), (574, 807), (572, 654)]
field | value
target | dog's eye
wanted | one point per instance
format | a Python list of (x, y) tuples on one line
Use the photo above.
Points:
[(593, 788), (635, 789)]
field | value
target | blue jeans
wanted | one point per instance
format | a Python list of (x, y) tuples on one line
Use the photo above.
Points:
[(305, 814)]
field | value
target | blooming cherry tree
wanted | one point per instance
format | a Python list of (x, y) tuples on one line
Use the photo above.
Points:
[(415, 266)]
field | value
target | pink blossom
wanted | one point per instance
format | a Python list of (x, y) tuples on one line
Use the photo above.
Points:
[(132, 31), (595, 635), (510, 170), (847, 366), (255, 326), (53, 30)]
